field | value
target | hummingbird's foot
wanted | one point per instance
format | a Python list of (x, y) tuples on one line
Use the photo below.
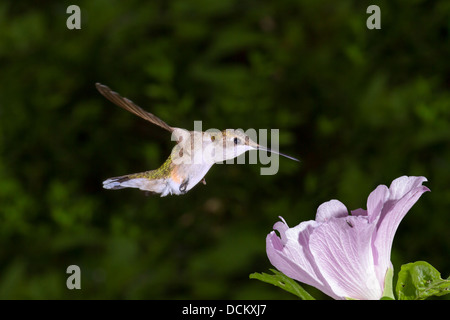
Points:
[(204, 181), (183, 186)]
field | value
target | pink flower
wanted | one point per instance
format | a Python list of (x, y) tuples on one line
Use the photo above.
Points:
[(346, 256)]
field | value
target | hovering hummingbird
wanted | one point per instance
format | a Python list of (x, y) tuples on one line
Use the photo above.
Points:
[(190, 159)]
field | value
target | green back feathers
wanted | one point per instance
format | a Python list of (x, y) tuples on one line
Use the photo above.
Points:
[(160, 173)]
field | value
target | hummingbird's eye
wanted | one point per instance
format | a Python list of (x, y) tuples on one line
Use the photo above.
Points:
[(237, 140)]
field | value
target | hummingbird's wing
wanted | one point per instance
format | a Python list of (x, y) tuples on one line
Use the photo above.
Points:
[(131, 106)]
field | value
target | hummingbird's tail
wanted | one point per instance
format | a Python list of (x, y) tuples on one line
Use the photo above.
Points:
[(118, 182), (140, 180), (148, 181)]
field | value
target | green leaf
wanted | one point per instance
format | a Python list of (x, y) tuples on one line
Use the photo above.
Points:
[(284, 282), (420, 280), (388, 292)]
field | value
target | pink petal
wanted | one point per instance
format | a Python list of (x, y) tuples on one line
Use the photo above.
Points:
[(409, 190), (401, 186), (376, 201), (359, 212), (281, 227), (293, 257), (331, 209), (343, 253)]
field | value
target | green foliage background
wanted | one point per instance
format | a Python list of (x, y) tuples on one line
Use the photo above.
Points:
[(359, 107)]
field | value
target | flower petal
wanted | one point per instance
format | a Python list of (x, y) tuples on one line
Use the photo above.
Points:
[(401, 186), (343, 252), (281, 227), (331, 209), (376, 201), (293, 257), (409, 189), (359, 212)]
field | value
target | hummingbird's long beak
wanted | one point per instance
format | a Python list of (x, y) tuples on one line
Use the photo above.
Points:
[(281, 154)]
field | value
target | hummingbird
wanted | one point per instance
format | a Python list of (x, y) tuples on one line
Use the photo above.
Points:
[(190, 159)]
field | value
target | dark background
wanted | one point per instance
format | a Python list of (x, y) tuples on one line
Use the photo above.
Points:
[(359, 107)]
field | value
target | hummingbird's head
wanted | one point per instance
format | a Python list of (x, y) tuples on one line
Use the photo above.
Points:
[(232, 143), (236, 142)]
